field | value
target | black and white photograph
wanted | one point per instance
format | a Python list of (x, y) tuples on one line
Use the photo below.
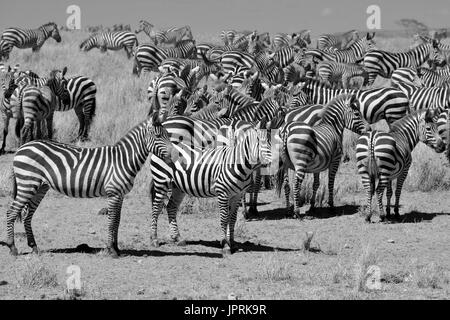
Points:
[(224, 153)]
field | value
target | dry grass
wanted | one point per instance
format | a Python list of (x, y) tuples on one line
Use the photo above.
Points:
[(431, 276), (33, 272)]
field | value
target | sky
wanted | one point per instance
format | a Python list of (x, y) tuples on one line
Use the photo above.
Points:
[(211, 16)]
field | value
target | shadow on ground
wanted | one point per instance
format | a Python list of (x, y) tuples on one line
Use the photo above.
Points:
[(417, 216), (317, 213)]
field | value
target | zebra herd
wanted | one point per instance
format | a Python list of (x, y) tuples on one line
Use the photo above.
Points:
[(266, 105)]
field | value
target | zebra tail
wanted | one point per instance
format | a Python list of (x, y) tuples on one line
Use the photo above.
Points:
[(136, 65), (372, 167)]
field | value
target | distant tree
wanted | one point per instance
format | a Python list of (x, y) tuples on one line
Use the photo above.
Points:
[(413, 26)]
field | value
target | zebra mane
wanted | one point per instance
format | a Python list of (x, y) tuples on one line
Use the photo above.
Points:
[(183, 42), (209, 109), (48, 24)]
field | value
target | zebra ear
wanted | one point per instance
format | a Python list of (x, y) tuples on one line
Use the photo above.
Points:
[(64, 71)]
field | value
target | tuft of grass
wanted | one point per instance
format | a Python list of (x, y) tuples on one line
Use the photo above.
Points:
[(241, 230), (365, 269), (34, 273), (431, 276), (275, 270), (306, 244)]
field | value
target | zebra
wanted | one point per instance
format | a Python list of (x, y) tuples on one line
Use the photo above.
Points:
[(432, 78), (406, 79), (337, 72), (339, 41), (300, 39), (39, 103), (206, 67), (82, 99), (202, 49), (173, 35), (351, 55), (387, 156), (383, 63), (286, 55), (107, 171), (375, 104), (111, 40), (28, 38), (317, 148), (148, 57), (233, 100), (147, 28), (224, 172), (227, 36)]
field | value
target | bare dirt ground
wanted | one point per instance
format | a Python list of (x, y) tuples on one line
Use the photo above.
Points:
[(413, 256)]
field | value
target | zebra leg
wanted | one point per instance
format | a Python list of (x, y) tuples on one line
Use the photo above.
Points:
[(81, 120), (380, 190), (316, 184), (172, 207), (253, 211), (298, 179), (5, 133), (388, 199), (232, 220), (331, 177), (26, 133), (224, 207), (158, 192), (33, 204), (114, 207), (398, 190), (287, 193)]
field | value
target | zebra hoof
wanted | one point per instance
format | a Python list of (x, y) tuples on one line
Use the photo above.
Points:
[(13, 251), (367, 219), (113, 253), (103, 212), (35, 250), (155, 243)]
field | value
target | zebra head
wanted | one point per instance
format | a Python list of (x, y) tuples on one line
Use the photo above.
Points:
[(58, 84), (157, 139), (51, 30), (144, 25), (428, 129), (9, 79), (188, 32)]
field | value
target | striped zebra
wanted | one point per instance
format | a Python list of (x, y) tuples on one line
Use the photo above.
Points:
[(147, 28), (339, 73), (227, 36), (111, 41), (339, 41), (149, 57), (313, 149), (241, 44), (383, 157), (224, 172), (206, 67), (432, 78), (406, 80), (77, 172), (375, 104), (28, 38), (383, 63), (173, 35), (300, 39), (202, 49), (82, 98), (352, 54), (286, 55), (39, 103), (233, 100)]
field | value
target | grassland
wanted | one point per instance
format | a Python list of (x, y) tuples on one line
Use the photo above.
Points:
[(275, 260)]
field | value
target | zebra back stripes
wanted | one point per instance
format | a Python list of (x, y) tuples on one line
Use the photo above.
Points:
[(111, 41), (149, 57), (173, 35), (83, 173), (339, 41), (376, 104)]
